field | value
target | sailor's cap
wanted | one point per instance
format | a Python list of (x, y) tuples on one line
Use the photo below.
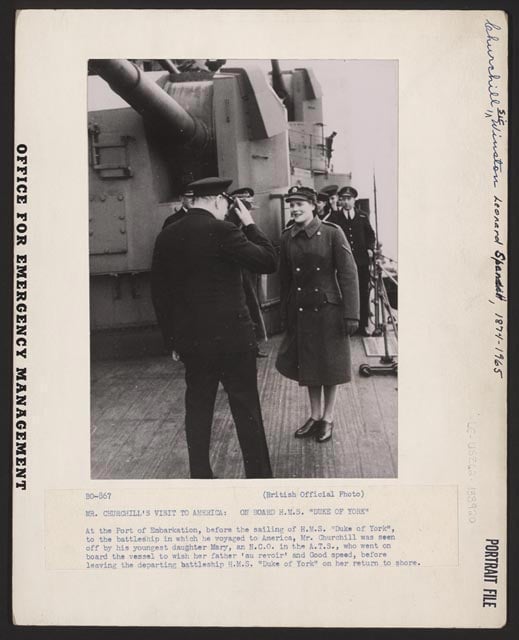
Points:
[(349, 192), (330, 190), (322, 196), (301, 193), (244, 192), (209, 186)]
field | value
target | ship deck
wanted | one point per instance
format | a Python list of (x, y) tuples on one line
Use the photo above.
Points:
[(137, 414)]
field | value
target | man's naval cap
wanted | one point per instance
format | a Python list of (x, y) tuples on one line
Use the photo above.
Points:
[(301, 193), (330, 190), (244, 192), (349, 192), (209, 186), (322, 196)]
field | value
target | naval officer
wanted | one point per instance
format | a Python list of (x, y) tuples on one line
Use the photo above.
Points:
[(320, 205), (183, 210), (332, 206), (361, 237), (199, 299)]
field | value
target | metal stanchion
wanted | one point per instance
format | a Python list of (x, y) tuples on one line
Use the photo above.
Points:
[(388, 363)]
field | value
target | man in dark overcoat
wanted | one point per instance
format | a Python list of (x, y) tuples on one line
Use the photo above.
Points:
[(199, 299), (250, 280), (360, 235), (332, 205), (182, 211), (321, 202)]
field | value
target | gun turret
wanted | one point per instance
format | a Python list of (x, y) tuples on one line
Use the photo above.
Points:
[(278, 84), (160, 111), (154, 127)]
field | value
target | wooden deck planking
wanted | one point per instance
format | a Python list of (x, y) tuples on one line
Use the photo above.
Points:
[(137, 413), (135, 450), (106, 444), (377, 396), (168, 452), (225, 452)]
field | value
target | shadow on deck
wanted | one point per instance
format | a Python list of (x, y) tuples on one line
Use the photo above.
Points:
[(137, 412)]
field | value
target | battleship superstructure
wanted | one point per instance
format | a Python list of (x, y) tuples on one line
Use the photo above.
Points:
[(151, 133)]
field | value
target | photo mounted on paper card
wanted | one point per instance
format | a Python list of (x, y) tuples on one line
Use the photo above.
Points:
[(243, 268), (229, 229)]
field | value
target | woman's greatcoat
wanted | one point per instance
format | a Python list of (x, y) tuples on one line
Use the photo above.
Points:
[(319, 290)]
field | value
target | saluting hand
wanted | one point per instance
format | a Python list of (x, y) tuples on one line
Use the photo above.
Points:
[(242, 212), (350, 326), (175, 356)]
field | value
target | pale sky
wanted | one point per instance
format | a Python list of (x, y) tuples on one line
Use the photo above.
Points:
[(360, 102)]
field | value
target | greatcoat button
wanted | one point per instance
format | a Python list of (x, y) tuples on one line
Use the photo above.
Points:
[(300, 308), (318, 233), (298, 269), (318, 269), (299, 288)]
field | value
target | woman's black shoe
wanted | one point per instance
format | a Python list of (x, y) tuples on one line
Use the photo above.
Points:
[(308, 429), (325, 431)]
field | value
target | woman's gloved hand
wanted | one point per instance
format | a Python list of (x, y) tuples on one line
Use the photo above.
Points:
[(350, 326)]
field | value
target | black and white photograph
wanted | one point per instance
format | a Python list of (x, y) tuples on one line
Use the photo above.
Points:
[(260, 319), (243, 268)]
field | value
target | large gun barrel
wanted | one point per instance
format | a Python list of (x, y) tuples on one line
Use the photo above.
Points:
[(278, 84), (158, 109)]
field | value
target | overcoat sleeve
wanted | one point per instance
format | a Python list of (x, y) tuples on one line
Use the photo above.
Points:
[(370, 235), (161, 298), (347, 276), (250, 248), (285, 277)]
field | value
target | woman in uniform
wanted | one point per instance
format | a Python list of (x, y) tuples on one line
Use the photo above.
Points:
[(320, 308)]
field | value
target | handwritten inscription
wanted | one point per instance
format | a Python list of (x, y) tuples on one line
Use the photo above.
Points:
[(496, 114), (499, 271), (497, 118)]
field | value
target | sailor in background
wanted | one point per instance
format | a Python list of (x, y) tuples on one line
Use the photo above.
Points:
[(329, 146), (320, 308), (250, 280), (197, 291), (187, 201), (322, 201), (361, 237), (333, 200)]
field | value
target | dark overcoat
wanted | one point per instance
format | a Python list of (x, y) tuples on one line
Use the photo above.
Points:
[(196, 283), (319, 290), (250, 286), (358, 232), (176, 216), (328, 212)]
